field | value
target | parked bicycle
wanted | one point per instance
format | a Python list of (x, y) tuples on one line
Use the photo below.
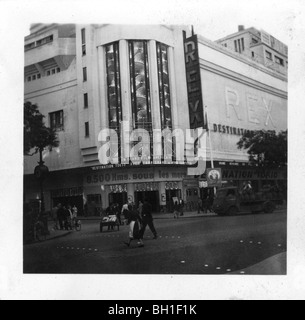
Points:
[(39, 231), (76, 225)]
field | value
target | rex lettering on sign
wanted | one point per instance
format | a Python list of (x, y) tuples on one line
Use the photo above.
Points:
[(260, 111), (193, 81)]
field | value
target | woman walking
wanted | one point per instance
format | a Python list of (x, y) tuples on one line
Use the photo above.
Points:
[(134, 222)]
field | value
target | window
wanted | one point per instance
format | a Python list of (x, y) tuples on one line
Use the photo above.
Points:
[(254, 41), (279, 60), (58, 70), (87, 129), (29, 78), (139, 80), (239, 45), (38, 43), (113, 85), (34, 77), (86, 105), (57, 120), (235, 43), (253, 54), (48, 72), (38, 76), (53, 71), (268, 55), (83, 35), (29, 46), (84, 74), (164, 90)]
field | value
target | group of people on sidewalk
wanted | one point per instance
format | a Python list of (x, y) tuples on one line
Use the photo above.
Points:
[(64, 216), (138, 219)]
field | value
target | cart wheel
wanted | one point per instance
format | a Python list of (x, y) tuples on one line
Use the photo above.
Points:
[(78, 226)]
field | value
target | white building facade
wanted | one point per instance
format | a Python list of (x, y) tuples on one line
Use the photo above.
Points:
[(95, 77)]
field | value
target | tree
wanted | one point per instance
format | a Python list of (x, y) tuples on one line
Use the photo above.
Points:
[(36, 135), (265, 148)]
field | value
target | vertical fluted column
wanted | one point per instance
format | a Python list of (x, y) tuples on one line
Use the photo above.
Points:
[(154, 98), (126, 96), (173, 90), (154, 85), (102, 75)]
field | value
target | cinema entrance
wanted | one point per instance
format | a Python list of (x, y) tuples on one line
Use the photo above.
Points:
[(150, 192), (69, 197), (118, 195), (171, 194)]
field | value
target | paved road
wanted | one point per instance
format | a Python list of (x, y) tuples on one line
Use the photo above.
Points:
[(210, 245)]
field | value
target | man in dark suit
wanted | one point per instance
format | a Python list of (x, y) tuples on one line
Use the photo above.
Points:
[(147, 219), (60, 216)]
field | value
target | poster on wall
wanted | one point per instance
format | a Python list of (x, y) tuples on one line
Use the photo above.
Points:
[(214, 177)]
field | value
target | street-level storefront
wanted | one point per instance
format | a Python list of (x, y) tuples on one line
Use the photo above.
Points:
[(238, 174), (158, 184), (65, 187)]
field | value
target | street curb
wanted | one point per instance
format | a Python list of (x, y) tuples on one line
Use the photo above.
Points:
[(160, 217), (58, 236), (48, 239)]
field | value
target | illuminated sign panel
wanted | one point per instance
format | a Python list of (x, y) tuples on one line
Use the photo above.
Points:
[(193, 81)]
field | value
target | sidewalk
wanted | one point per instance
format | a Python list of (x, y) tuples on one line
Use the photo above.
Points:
[(193, 214), (162, 216), (185, 215), (276, 265), (54, 234)]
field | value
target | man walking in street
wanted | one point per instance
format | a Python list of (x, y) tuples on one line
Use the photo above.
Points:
[(147, 219)]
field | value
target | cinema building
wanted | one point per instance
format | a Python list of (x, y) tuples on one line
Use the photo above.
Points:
[(88, 78)]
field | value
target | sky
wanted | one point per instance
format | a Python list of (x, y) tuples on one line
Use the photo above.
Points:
[(212, 19)]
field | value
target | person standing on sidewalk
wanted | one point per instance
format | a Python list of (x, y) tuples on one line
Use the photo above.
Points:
[(147, 219), (176, 210), (60, 216), (181, 207), (54, 217), (199, 205)]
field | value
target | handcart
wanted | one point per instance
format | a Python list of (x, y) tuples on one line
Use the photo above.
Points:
[(111, 222)]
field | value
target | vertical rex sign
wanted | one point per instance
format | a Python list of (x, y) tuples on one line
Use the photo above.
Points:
[(193, 81)]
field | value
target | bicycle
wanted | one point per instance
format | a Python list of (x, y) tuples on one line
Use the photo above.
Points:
[(77, 225), (39, 231)]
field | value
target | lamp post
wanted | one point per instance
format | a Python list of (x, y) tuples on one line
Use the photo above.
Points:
[(41, 172)]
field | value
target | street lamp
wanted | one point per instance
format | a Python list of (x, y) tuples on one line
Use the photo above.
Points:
[(41, 172)]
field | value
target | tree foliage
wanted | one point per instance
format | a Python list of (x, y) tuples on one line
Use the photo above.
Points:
[(265, 148), (36, 135)]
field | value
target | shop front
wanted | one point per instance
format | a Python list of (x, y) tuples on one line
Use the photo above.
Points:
[(158, 185), (148, 191), (68, 197), (239, 174)]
